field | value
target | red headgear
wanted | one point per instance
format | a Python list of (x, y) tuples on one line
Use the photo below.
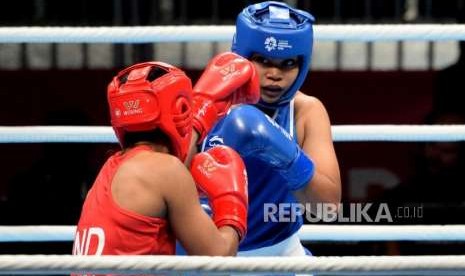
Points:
[(152, 95)]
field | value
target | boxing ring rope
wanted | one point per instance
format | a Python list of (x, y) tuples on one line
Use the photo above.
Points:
[(428, 233), (341, 133), (152, 34), (364, 265)]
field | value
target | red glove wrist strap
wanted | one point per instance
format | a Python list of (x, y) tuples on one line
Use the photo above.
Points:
[(205, 116)]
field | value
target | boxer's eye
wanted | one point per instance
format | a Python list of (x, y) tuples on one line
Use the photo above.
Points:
[(262, 60), (289, 63), (286, 64)]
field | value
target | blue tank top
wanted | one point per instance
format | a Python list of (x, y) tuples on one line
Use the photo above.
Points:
[(266, 188)]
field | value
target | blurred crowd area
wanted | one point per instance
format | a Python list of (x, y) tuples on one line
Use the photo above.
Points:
[(169, 12), (359, 83)]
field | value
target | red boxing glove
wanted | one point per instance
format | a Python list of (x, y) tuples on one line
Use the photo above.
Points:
[(228, 79), (220, 174)]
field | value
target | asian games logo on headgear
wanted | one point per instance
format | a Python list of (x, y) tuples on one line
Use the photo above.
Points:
[(271, 43)]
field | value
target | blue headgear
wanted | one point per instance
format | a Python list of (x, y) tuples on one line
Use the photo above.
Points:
[(275, 30)]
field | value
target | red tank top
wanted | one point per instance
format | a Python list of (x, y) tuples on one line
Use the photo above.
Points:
[(106, 229)]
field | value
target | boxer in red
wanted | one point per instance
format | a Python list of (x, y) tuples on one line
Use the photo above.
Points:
[(145, 197)]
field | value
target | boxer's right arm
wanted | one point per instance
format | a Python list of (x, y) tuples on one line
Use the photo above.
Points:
[(220, 174), (195, 230)]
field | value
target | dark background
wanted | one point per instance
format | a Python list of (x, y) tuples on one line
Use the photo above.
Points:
[(44, 184)]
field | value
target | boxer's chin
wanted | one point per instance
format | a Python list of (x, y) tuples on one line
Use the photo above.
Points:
[(270, 97)]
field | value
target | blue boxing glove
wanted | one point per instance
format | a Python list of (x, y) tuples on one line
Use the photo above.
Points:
[(252, 133)]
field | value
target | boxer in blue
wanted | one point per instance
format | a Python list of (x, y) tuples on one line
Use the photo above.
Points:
[(285, 139)]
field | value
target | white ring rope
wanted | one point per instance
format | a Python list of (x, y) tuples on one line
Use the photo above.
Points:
[(382, 233), (62, 134), (341, 133), (312, 233), (152, 34), (37, 233), (399, 133), (363, 265)]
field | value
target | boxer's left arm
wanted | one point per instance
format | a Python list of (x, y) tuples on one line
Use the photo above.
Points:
[(227, 80), (315, 138)]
